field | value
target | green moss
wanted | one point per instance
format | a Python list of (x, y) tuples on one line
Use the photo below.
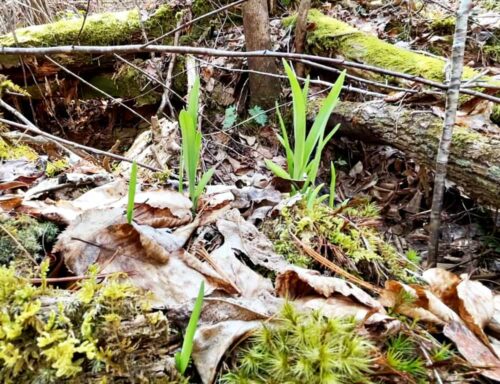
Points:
[(100, 29), (30, 235), (304, 348), (84, 339), (14, 152), (495, 115), (55, 167), (443, 24), (343, 234), (331, 35), (8, 85)]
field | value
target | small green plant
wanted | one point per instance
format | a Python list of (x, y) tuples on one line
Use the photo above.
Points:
[(230, 117), (191, 147), (304, 348), (304, 158), (402, 355), (182, 358), (413, 256), (131, 192), (258, 115)]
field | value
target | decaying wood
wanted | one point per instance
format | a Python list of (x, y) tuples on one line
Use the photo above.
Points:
[(474, 164)]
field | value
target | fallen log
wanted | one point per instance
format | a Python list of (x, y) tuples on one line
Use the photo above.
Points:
[(474, 159)]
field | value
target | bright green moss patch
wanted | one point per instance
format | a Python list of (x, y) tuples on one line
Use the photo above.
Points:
[(304, 348), (103, 333), (347, 235), (332, 35), (55, 167), (8, 85)]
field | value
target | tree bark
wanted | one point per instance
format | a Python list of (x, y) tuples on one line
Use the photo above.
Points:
[(263, 91), (474, 164), (300, 33)]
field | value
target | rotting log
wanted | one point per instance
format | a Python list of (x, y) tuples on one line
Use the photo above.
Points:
[(474, 163)]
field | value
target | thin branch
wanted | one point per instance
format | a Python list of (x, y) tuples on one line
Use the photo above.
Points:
[(457, 63), (96, 88), (29, 126), (187, 24), (83, 22), (108, 50)]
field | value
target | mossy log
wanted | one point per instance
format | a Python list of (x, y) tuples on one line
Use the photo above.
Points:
[(474, 163), (327, 36)]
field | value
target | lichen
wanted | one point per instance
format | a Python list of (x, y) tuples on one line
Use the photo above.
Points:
[(49, 335), (345, 234)]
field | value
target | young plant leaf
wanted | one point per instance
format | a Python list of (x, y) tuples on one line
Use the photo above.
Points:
[(259, 115), (277, 170), (230, 117), (131, 192), (203, 182), (182, 358), (333, 178)]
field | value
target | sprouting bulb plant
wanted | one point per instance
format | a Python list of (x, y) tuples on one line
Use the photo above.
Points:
[(131, 192), (182, 358), (191, 147), (304, 157)]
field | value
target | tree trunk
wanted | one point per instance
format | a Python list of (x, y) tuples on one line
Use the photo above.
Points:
[(474, 164), (263, 90)]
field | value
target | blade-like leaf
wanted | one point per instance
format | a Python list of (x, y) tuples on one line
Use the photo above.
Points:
[(312, 195), (299, 122), (323, 115), (277, 170), (284, 141), (333, 178), (202, 184), (131, 192), (193, 101), (182, 357)]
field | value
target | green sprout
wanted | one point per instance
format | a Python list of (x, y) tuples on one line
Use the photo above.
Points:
[(131, 192), (191, 147), (304, 158), (333, 179), (182, 358)]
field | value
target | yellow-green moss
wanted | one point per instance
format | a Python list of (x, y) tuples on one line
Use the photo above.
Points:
[(8, 85), (14, 152), (55, 167), (443, 24), (85, 338), (343, 235)]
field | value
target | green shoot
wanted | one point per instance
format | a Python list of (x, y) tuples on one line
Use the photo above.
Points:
[(333, 179), (304, 158), (191, 147), (131, 192), (182, 358)]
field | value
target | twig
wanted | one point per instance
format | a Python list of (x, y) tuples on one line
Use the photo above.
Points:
[(457, 58), (96, 88), (84, 20), (187, 24), (200, 51), (29, 126)]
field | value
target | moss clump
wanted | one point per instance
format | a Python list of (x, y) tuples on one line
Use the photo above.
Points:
[(15, 152), (8, 85), (443, 24), (346, 235), (103, 333), (30, 236), (55, 167), (495, 115), (304, 348)]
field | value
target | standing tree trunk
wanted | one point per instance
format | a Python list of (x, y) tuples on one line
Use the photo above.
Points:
[(263, 89), (300, 33)]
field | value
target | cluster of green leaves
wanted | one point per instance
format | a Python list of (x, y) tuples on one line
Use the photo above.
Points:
[(304, 348), (403, 356), (191, 147), (303, 159), (80, 338), (354, 246), (257, 115), (29, 234)]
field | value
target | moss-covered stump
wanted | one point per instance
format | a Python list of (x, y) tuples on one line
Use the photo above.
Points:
[(103, 333), (328, 36), (474, 163), (347, 235)]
